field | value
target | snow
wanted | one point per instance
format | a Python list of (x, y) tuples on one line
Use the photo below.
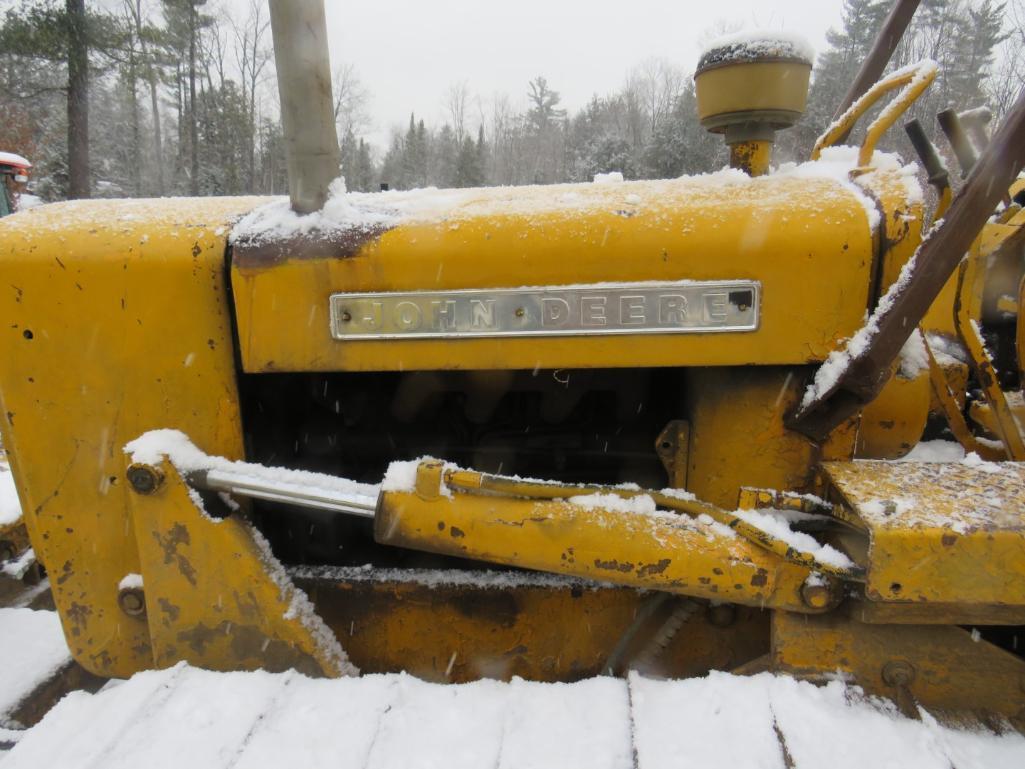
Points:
[(27, 201), (18, 567), (400, 477), (935, 451), (205, 720), (642, 504), (32, 649), (432, 578), (776, 525), (11, 159), (151, 448), (10, 507), (277, 219), (130, 582), (823, 184), (975, 461), (913, 356), (754, 44)]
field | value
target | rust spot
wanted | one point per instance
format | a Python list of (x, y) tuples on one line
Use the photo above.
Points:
[(948, 539), (250, 643), (256, 254), (456, 532), (196, 250), (79, 617), (177, 535), (887, 424), (717, 571), (653, 568), (760, 579), (705, 580), (613, 565), (169, 609), (441, 525), (66, 573)]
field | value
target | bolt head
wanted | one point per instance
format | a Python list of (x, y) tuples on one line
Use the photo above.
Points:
[(144, 479), (898, 673), (817, 593), (132, 601)]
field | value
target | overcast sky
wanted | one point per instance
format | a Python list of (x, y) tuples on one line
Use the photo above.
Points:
[(410, 52)]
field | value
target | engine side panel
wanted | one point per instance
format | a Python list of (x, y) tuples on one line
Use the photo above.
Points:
[(767, 230), (116, 322)]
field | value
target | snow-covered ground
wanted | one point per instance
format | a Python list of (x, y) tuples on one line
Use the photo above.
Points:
[(10, 508), (32, 649), (185, 717)]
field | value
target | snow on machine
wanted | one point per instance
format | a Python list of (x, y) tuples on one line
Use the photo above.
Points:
[(243, 431)]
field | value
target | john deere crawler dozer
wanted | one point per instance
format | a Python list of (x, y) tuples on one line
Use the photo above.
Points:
[(201, 398)]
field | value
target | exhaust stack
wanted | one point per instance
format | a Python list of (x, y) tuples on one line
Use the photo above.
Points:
[(307, 112)]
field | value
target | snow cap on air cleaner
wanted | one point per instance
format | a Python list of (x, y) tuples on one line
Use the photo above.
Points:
[(750, 85)]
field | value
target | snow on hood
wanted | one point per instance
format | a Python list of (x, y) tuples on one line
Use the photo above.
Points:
[(347, 211)]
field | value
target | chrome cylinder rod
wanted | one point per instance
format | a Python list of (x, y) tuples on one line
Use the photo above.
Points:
[(292, 493)]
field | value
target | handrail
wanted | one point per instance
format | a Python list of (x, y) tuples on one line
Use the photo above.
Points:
[(913, 80)]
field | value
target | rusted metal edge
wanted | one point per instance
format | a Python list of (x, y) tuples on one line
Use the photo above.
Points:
[(933, 264), (261, 252)]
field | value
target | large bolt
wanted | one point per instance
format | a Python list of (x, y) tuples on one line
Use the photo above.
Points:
[(132, 601), (898, 673), (818, 593), (144, 479)]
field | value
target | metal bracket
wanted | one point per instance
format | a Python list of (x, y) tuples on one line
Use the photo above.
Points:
[(673, 447)]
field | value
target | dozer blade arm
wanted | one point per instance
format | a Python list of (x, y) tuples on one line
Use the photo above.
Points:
[(612, 535)]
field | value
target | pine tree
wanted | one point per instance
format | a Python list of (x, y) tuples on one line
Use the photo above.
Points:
[(973, 48), (839, 64)]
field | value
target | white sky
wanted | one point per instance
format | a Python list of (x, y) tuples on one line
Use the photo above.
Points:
[(408, 53)]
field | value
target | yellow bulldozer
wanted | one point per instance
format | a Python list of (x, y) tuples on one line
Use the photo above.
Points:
[(243, 431)]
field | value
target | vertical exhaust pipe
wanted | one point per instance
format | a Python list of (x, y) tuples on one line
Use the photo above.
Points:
[(307, 107)]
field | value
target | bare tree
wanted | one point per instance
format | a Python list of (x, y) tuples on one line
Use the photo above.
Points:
[(252, 54), (351, 100), (657, 83), (135, 13), (456, 104)]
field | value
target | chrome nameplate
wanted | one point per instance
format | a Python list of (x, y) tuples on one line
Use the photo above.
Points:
[(683, 307)]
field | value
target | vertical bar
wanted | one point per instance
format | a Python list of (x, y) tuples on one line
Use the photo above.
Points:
[(307, 114)]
